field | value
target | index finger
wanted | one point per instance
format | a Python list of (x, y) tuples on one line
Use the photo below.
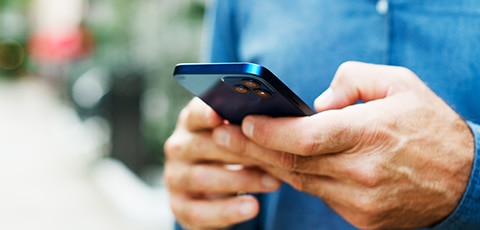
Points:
[(327, 132), (197, 115)]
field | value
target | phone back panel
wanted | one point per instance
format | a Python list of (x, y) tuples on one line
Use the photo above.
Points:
[(235, 90)]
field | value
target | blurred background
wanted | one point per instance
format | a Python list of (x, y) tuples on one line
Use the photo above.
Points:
[(86, 103)]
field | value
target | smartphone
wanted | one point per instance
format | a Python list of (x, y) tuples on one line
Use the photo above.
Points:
[(235, 90)]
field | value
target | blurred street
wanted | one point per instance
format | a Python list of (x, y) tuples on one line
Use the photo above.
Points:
[(54, 173)]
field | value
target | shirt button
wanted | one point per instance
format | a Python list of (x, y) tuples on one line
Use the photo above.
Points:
[(382, 6)]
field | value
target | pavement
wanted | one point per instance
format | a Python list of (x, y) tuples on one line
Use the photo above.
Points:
[(54, 172)]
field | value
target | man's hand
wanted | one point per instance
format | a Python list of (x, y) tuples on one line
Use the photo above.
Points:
[(400, 159), (202, 182)]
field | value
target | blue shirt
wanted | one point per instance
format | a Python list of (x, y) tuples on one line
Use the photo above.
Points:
[(303, 42)]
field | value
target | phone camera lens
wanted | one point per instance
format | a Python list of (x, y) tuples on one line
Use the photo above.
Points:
[(262, 93), (250, 83), (241, 89)]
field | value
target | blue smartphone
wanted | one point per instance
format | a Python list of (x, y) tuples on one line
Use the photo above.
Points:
[(235, 90)]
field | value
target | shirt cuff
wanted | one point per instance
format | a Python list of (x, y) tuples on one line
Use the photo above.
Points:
[(467, 213)]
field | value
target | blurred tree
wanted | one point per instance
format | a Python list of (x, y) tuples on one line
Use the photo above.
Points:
[(13, 36), (147, 37)]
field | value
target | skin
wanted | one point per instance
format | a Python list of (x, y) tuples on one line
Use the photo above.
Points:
[(402, 159), (201, 180)]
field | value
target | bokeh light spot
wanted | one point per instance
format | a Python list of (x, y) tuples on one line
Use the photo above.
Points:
[(12, 54)]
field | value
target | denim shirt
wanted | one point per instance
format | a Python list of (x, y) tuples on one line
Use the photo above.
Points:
[(305, 41)]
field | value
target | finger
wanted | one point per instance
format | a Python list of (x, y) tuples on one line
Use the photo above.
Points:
[(325, 187), (198, 116), (199, 147), (302, 181), (232, 138), (216, 213), (215, 178), (327, 132), (345, 165), (356, 81)]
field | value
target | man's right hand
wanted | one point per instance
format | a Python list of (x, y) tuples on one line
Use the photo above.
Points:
[(201, 180)]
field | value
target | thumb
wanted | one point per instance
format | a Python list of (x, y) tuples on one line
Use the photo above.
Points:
[(358, 82), (331, 99)]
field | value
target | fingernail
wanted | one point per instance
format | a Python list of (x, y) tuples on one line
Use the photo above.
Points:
[(269, 182), (247, 127), (246, 208), (222, 137)]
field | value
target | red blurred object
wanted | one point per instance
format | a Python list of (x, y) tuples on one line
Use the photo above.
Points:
[(48, 47)]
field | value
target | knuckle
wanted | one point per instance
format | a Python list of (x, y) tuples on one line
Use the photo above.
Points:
[(308, 146), (287, 161), (404, 77), (298, 181), (347, 66), (168, 176), (405, 71), (186, 145), (172, 146), (345, 69), (371, 210), (179, 177), (368, 207), (184, 114), (369, 216), (365, 223), (370, 178)]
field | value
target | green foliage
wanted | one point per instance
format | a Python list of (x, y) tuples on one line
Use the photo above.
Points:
[(153, 35), (13, 36)]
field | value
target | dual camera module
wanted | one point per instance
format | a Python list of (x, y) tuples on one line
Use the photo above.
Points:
[(249, 85)]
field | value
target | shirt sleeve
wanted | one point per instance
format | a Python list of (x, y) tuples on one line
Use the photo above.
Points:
[(467, 213)]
